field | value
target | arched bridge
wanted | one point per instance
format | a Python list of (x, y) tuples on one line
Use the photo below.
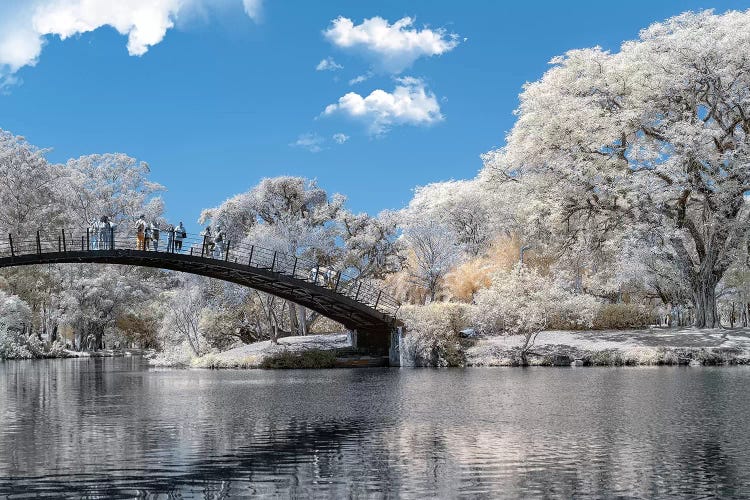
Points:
[(356, 303)]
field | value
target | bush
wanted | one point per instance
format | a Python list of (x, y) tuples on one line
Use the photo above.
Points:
[(314, 358), (523, 302), (433, 333), (622, 316)]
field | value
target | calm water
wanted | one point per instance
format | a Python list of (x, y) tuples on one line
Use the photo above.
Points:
[(114, 428)]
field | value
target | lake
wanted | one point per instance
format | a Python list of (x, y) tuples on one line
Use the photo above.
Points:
[(115, 428)]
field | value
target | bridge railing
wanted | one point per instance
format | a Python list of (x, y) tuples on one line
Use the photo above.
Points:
[(92, 240)]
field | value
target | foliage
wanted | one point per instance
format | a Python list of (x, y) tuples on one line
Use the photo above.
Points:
[(433, 333), (653, 140), (523, 302), (622, 316), (314, 358)]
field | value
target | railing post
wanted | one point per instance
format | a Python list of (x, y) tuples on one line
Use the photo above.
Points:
[(273, 261), (294, 267), (88, 243), (65, 247), (338, 278), (38, 244), (59, 244), (226, 252), (83, 241), (10, 239), (356, 295), (250, 260), (191, 251), (111, 238), (378, 299), (203, 247)]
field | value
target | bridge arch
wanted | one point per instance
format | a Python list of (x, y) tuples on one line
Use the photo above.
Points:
[(356, 304)]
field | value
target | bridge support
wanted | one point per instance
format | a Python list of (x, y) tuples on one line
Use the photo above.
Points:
[(374, 342)]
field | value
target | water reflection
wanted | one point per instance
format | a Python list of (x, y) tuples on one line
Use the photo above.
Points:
[(112, 428)]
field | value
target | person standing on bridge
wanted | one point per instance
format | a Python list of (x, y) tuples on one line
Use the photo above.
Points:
[(179, 235), (140, 233), (147, 237), (220, 241), (155, 235), (105, 233), (170, 238), (92, 232), (208, 243)]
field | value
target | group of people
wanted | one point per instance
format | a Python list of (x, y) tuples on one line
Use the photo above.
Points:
[(102, 234), (214, 245), (148, 235)]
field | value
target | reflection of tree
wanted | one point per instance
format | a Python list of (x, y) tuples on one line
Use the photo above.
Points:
[(108, 428)]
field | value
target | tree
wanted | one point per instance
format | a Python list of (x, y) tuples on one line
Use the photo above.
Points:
[(656, 136), (432, 253), (523, 302)]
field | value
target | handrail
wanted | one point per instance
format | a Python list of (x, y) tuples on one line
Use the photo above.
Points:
[(360, 290)]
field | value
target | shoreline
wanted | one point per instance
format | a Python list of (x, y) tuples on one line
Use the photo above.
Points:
[(644, 347)]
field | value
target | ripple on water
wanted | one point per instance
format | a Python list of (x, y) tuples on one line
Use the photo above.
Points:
[(110, 428)]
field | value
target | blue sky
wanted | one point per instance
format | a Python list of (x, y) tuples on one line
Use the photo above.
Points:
[(220, 102)]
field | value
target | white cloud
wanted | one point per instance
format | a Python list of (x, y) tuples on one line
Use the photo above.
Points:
[(408, 104), (328, 64), (391, 47), (25, 24), (311, 142), (253, 8), (360, 78), (340, 138)]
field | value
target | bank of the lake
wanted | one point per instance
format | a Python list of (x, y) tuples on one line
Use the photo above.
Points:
[(656, 346)]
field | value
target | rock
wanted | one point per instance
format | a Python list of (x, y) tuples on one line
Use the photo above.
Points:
[(468, 333), (576, 362), (695, 362)]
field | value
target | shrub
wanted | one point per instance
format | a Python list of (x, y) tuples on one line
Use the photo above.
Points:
[(433, 333), (621, 316), (523, 302), (314, 358)]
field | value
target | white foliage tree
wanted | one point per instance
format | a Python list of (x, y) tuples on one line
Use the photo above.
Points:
[(656, 135)]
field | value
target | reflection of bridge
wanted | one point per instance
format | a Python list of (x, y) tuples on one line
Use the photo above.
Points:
[(356, 303)]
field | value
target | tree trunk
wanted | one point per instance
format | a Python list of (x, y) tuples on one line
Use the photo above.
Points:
[(704, 298)]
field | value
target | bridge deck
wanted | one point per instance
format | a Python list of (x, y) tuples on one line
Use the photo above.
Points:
[(357, 304)]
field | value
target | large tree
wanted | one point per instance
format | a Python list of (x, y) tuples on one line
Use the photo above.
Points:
[(655, 136)]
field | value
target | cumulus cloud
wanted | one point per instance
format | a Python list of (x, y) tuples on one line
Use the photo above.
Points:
[(25, 24), (409, 104), (328, 64), (340, 138), (391, 47), (311, 142)]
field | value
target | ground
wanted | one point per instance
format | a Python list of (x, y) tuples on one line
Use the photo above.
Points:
[(253, 355), (551, 348), (618, 347)]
